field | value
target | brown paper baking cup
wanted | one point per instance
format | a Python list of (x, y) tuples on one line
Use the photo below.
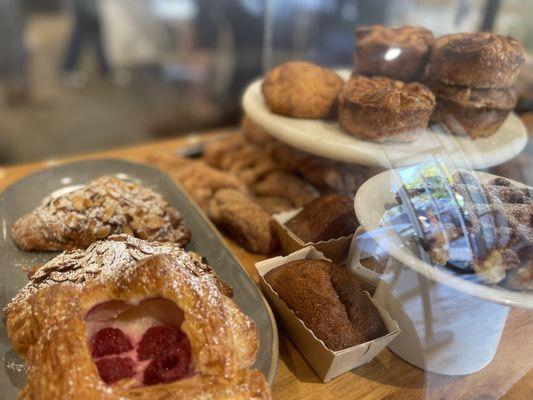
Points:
[(325, 362)]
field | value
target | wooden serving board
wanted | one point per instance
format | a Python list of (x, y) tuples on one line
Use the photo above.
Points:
[(508, 376)]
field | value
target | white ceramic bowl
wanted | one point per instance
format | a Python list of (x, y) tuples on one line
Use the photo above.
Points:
[(371, 202)]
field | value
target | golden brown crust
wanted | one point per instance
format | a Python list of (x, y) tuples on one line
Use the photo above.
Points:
[(469, 111), (224, 341), (244, 220), (329, 301), (381, 108), (283, 184), (325, 175), (482, 60), (328, 217), (197, 178), (104, 207), (302, 90), (274, 204), (397, 53), (102, 260)]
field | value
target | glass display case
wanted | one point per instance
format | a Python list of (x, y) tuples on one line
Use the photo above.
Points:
[(367, 163)]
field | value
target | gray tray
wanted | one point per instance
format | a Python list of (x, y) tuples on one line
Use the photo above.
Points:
[(27, 193)]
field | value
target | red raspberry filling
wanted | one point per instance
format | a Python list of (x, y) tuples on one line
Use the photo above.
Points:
[(162, 355), (158, 340), (168, 367), (109, 341), (112, 369)]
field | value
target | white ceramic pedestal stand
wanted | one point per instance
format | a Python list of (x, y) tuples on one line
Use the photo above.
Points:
[(325, 138), (449, 325), (443, 330)]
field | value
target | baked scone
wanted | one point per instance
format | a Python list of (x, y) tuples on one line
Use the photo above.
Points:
[(481, 60), (329, 301), (328, 217), (397, 53), (325, 175), (156, 328), (283, 184), (470, 111), (239, 157), (104, 207), (302, 90), (245, 221), (199, 180), (274, 204), (380, 108)]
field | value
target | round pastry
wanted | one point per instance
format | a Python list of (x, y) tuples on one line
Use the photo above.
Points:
[(398, 53), (381, 108), (473, 112), (139, 325), (481, 60), (302, 90)]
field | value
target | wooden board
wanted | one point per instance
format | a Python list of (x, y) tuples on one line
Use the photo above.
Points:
[(509, 376)]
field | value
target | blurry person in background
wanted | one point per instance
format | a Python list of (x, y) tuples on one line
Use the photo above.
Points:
[(13, 56), (230, 34), (86, 32)]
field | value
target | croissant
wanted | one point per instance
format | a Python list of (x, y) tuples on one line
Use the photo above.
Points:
[(157, 328), (104, 207)]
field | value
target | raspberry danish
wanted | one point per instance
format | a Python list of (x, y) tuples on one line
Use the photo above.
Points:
[(158, 328)]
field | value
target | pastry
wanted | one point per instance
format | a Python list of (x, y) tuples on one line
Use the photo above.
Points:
[(380, 108), (253, 132), (470, 111), (104, 207), (103, 260), (197, 178), (328, 217), (333, 176), (397, 53), (227, 202), (245, 221), (239, 157), (488, 231), (329, 301), (325, 175), (149, 328), (302, 90), (283, 184), (481, 60), (274, 204)]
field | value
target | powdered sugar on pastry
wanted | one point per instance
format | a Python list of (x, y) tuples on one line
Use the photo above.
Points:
[(104, 207)]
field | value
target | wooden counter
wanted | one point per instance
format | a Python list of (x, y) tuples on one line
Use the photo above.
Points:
[(509, 376)]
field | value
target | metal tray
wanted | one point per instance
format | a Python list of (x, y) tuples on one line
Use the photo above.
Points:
[(24, 195)]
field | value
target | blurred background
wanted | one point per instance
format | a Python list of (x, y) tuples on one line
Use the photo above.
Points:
[(85, 75)]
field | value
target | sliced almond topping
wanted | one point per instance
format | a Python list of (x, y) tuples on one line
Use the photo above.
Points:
[(127, 230), (78, 203), (109, 212)]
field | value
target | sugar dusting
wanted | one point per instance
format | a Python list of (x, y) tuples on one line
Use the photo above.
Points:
[(104, 207), (109, 260)]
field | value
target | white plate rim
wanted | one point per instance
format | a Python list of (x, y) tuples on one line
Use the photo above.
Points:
[(497, 148), (392, 245)]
